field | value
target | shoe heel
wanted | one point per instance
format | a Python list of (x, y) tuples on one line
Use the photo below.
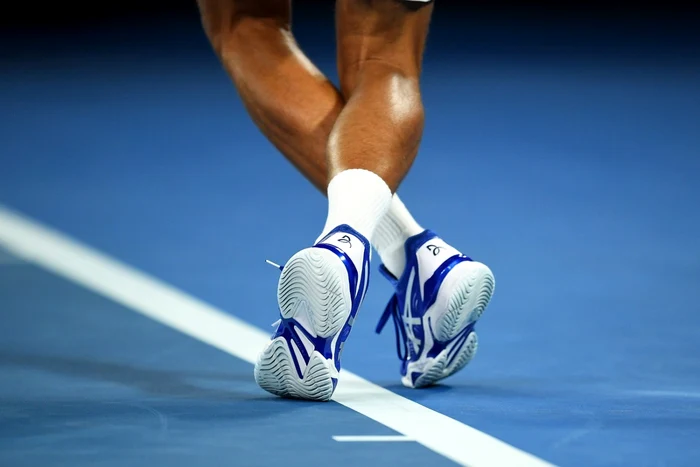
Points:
[(314, 289), (472, 285)]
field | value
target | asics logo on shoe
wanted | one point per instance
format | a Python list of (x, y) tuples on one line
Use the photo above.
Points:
[(345, 239), (434, 249), (408, 319)]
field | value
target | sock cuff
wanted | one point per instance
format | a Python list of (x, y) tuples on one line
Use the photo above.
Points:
[(397, 226), (357, 179), (400, 214)]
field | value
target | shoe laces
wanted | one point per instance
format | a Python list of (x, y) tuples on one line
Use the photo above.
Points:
[(392, 310), (274, 264)]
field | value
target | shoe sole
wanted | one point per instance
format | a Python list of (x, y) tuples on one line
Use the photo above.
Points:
[(473, 287), (314, 290)]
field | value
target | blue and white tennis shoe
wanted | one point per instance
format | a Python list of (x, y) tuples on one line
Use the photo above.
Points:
[(319, 293), (439, 298)]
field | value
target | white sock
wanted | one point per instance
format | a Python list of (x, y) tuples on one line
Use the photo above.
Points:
[(358, 198), (391, 235)]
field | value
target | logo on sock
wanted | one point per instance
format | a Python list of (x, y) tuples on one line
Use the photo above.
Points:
[(345, 239), (434, 249)]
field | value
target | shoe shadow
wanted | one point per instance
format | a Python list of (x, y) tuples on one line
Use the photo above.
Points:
[(220, 396), (153, 381)]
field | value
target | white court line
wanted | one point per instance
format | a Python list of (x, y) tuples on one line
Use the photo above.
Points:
[(373, 439), (189, 315)]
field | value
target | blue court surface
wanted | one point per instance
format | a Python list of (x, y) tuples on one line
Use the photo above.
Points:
[(575, 177)]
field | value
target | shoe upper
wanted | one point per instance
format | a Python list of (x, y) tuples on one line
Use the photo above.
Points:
[(428, 261), (354, 250)]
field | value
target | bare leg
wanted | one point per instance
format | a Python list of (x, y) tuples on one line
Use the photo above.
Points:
[(380, 44), (380, 49), (292, 103)]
